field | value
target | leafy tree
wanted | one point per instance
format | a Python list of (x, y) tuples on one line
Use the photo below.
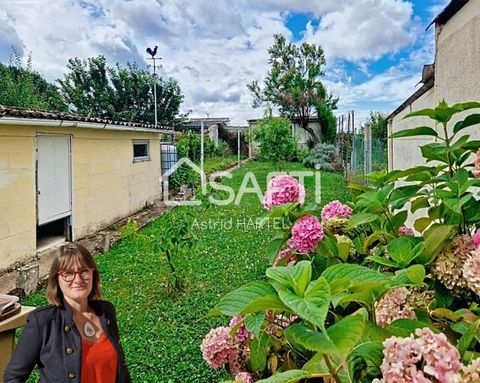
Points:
[(120, 93), (22, 87), (293, 84), (275, 139), (378, 122)]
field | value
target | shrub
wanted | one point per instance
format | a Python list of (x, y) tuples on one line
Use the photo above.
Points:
[(326, 156), (274, 136)]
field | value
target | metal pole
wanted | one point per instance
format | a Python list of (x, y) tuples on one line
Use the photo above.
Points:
[(238, 145), (201, 148), (155, 90)]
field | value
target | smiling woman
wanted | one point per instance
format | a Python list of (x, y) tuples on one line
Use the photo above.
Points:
[(76, 337)]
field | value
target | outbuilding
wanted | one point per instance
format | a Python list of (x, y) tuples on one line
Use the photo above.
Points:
[(63, 177)]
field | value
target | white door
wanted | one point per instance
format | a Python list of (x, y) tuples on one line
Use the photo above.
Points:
[(53, 178)]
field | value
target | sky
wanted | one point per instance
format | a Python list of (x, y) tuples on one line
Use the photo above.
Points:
[(375, 49)]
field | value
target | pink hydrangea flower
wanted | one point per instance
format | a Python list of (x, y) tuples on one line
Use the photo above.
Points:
[(281, 190), (306, 233), (242, 333), (471, 373), (462, 246), (476, 240), (476, 169), (284, 254), (405, 231), (218, 347), (244, 377), (336, 209), (471, 271), (441, 359), (393, 306), (429, 358), (278, 322)]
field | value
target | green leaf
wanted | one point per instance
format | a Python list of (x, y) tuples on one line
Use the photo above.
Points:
[(313, 305), (466, 340), (250, 298), (310, 339), (382, 261), (420, 203), (366, 358), (273, 248), (361, 219), (290, 376), (400, 250), (422, 113), (346, 333), (434, 152), (422, 223), (295, 277), (254, 322), (436, 238), (354, 273), (420, 131), (404, 327), (416, 274), (258, 352), (342, 336)]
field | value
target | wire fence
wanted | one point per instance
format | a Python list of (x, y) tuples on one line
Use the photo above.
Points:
[(359, 152)]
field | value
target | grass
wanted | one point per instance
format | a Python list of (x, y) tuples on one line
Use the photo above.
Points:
[(161, 334)]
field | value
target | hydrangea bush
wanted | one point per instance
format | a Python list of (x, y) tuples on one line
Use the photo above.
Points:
[(355, 294)]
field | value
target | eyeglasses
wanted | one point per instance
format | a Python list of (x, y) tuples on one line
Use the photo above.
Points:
[(69, 275)]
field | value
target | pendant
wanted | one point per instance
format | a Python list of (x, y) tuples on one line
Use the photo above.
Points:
[(89, 330)]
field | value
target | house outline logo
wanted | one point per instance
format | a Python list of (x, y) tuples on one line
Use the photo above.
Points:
[(165, 177)]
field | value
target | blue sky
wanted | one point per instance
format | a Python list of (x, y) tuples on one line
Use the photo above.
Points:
[(375, 49)]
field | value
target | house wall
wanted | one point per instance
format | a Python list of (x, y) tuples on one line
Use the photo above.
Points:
[(17, 195), (405, 152), (457, 79), (106, 184)]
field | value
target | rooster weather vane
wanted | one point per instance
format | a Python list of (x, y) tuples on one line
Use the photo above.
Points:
[(152, 52)]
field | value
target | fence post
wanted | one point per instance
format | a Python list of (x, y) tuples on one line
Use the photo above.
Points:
[(367, 142)]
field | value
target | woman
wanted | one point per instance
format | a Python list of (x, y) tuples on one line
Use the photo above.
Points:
[(75, 338)]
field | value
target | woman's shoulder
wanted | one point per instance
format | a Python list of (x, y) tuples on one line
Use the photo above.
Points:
[(44, 313), (104, 306)]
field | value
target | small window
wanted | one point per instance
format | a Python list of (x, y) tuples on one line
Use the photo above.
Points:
[(141, 151)]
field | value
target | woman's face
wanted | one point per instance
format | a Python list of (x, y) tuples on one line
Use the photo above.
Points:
[(76, 282)]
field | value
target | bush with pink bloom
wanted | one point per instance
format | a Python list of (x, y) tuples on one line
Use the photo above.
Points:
[(476, 239), (286, 256), (336, 209), (218, 347), (241, 334), (427, 358), (476, 168), (471, 272), (405, 231), (283, 189), (393, 306), (244, 377), (306, 233)]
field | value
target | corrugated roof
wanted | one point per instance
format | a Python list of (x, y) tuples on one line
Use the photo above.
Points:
[(196, 123), (14, 112)]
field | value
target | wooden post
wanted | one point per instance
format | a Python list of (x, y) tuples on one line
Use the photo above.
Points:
[(7, 336)]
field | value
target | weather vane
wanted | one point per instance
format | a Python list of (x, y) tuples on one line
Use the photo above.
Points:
[(153, 52)]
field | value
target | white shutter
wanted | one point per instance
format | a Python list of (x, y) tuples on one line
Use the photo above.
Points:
[(53, 178)]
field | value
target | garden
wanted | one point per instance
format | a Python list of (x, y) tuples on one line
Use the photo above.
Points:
[(377, 283)]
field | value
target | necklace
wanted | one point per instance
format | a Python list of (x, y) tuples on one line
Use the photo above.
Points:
[(89, 329)]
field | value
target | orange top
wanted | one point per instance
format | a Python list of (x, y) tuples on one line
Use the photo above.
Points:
[(99, 361)]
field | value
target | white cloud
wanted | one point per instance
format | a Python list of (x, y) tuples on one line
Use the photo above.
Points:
[(366, 29), (214, 48)]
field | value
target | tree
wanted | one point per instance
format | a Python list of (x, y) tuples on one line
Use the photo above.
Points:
[(293, 84), (378, 122), (92, 88), (22, 87)]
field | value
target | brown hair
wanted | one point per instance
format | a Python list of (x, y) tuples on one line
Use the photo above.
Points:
[(67, 255)]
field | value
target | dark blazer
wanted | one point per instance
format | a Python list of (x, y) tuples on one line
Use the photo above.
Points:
[(51, 340)]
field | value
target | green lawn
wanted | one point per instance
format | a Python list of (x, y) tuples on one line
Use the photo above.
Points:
[(162, 334)]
